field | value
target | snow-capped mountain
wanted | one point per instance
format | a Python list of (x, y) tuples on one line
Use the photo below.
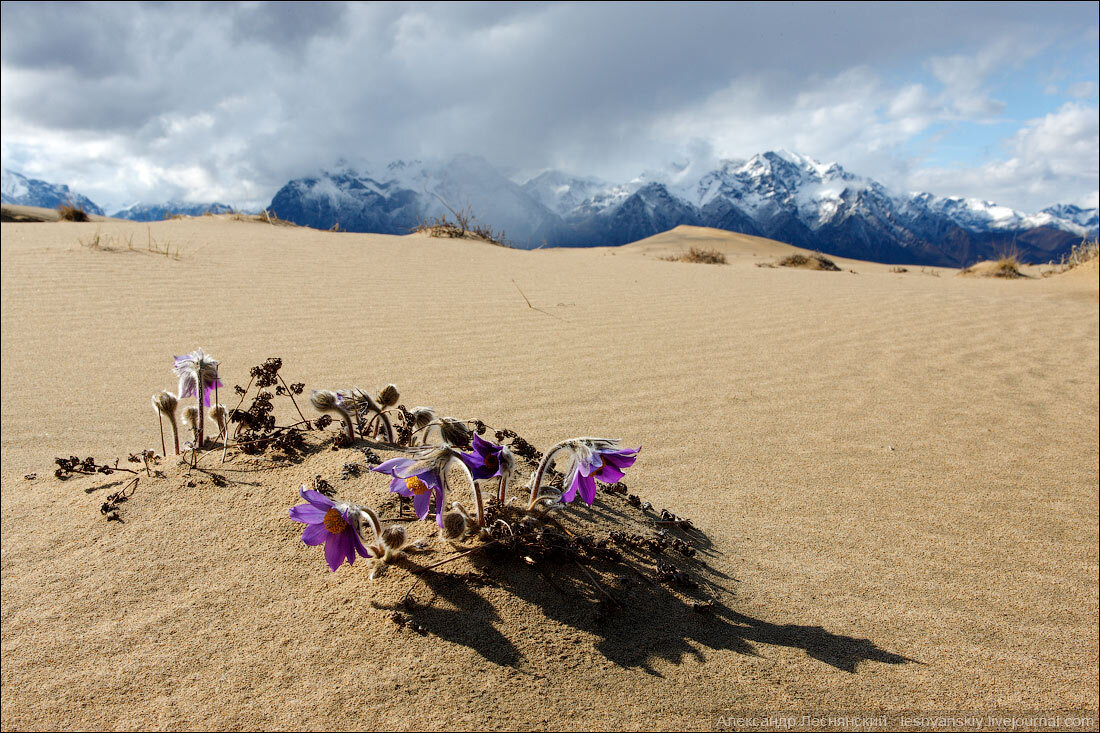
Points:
[(158, 212), (395, 198), (780, 195), (17, 189)]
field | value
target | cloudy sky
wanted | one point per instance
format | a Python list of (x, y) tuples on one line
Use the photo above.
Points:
[(227, 102)]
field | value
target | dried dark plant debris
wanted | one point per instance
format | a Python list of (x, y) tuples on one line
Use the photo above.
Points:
[(350, 470), (110, 506), (323, 486), (30, 476), (519, 446), (372, 458), (67, 467)]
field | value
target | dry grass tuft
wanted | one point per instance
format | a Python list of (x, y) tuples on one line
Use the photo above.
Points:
[(1081, 254), (1006, 267), (899, 270), (69, 211), (815, 261), (698, 256), (464, 227)]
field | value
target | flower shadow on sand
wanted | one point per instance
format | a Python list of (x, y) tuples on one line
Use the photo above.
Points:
[(652, 621)]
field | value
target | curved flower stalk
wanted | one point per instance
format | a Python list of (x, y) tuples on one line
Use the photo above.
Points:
[(368, 409), (490, 460), (427, 476), (325, 400), (334, 524), (165, 404), (590, 459), (388, 544), (198, 375)]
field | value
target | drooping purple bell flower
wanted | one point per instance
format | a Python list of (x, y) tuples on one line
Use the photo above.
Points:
[(419, 481), (591, 459), (330, 523)]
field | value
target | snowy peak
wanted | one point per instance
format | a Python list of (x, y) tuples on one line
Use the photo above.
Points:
[(158, 212), (17, 189)]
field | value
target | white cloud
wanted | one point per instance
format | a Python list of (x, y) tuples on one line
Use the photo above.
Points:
[(230, 101), (1047, 157)]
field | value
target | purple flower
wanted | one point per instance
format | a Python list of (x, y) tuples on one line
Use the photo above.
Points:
[(486, 461), (418, 480), (193, 367), (330, 523), (594, 460)]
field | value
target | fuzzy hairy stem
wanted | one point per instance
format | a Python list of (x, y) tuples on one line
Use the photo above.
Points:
[(478, 503), (547, 459), (163, 446)]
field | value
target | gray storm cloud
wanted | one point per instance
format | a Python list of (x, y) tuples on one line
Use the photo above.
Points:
[(228, 101)]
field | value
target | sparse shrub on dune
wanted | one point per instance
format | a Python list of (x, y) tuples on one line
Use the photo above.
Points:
[(1007, 266), (69, 211), (1081, 254), (699, 256), (815, 261)]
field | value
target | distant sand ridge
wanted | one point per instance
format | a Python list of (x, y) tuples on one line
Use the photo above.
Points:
[(896, 476)]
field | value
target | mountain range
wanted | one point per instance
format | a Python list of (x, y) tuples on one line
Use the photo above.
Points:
[(17, 189), (780, 195)]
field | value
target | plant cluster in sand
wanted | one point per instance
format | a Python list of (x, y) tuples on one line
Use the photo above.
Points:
[(1007, 267), (69, 211), (1081, 254), (698, 255), (438, 459), (815, 261)]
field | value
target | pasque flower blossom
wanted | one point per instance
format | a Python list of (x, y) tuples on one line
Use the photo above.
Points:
[(591, 459), (330, 523)]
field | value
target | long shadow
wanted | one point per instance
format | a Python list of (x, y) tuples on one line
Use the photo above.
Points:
[(648, 621), (453, 611)]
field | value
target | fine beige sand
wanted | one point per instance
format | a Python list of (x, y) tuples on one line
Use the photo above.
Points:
[(894, 474)]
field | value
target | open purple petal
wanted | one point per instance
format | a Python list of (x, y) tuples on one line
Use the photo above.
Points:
[(438, 506), (307, 513), (621, 458), (315, 534), (357, 544), (316, 498), (587, 488), (336, 549), (609, 475), (571, 493), (398, 486), (421, 503), (394, 465)]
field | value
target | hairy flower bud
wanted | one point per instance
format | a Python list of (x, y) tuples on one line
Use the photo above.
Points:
[(388, 396), (455, 432)]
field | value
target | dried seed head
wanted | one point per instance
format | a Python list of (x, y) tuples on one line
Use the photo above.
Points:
[(454, 525), (422, 416), (393, 537), (218, 414), (165, 403), (454, 432), (323, 400), (389, 395), (191, 417)]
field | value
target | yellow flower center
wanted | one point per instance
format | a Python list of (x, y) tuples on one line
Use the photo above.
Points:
[(334, 521), (416, 486)]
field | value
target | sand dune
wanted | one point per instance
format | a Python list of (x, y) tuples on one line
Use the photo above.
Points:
[(895, 476)]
